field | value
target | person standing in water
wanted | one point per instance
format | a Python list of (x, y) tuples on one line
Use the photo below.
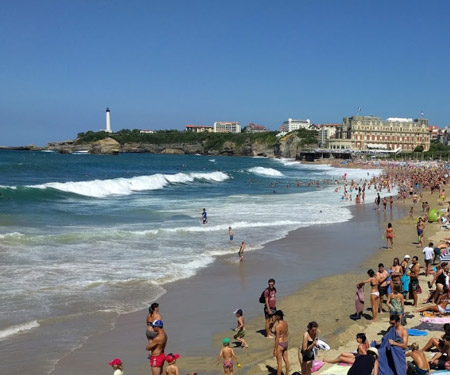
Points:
[(230, 234), (204, 216), (241, 252)]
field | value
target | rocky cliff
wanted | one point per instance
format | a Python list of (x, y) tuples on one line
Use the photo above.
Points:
[(287, 147)]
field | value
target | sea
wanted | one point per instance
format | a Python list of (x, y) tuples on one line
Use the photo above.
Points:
[(85, 238)]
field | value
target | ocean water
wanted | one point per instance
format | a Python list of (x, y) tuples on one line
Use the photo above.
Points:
[(97, 236)]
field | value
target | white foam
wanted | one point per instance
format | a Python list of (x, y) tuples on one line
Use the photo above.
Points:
[(13, 330), (268, 172), (127, 186)]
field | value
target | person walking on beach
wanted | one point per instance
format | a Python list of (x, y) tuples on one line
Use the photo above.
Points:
[(117, 366), (228, 355), (420, 229), (374, 293), (414, 279), (390, 235), (156, 348), (270, 294), (230, 234), (378, 201), (241, 252), (306, 351), (204, 216), (240, 329), (428, 252), (280, 350)]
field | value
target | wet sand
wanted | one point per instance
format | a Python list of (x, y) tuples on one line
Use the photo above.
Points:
[(311, 266)]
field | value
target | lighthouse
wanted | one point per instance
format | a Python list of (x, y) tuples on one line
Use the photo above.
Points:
[(108, 121)]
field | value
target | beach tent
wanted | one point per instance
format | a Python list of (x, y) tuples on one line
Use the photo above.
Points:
[(392, 360)]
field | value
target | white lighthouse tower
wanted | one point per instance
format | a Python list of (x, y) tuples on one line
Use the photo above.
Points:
[(108, 121)]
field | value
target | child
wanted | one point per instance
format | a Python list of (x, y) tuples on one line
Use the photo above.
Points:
[(240, 329), (228, 354), (171, 359), (117, 365)]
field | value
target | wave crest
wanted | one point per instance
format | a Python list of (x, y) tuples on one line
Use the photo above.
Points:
[(267, 172), (127, 186)]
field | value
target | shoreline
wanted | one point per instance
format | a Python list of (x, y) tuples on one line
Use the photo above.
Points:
[(217, 282)]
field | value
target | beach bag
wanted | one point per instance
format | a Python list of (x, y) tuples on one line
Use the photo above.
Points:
[(262, 298)]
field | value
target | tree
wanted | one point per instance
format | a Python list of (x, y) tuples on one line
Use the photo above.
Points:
[(419, 149)]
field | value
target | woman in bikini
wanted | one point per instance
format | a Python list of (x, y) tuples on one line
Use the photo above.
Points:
[(349, 358), (374, 293), (396, 273), (390, 235), (306, 352)]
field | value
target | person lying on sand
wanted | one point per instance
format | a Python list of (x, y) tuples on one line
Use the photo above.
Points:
[(438, 308)]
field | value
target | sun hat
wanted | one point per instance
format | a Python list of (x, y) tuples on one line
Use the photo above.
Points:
[(225, 341), (373, 350), (157, 323), (172, 357), (238, 311), (407, 256), (115, 362)]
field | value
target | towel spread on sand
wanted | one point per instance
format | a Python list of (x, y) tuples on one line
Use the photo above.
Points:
[(416, 332), (435, 320), (336, 370), (317, 365), (429, 327), (359, 299), (392, 360)]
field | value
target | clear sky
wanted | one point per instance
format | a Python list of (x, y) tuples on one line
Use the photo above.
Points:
[(164, 64)]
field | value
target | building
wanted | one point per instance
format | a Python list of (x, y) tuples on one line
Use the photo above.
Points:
[(372, 133), (199, 128), (253, 128), (146, 131), (108, 121), (325, 132), (290, 125), (227, 127), (435, 133)]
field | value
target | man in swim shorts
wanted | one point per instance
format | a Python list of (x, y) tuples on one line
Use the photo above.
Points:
[(270, 306), (382, 276), (156, 347), (414, 279)]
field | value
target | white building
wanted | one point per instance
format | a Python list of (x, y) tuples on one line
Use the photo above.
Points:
[(291, 124), (227, 127), (326, 131)]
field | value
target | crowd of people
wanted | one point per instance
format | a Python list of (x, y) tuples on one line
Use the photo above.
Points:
[(391, 287)]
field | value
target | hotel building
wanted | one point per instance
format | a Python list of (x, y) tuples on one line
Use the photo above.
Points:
[(290, 125), (227, 127), (372, 133), (199, 128)]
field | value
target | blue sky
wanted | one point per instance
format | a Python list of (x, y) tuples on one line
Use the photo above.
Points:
[(165, 64)]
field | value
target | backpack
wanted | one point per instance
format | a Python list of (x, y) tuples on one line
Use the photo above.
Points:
[(262, 298)]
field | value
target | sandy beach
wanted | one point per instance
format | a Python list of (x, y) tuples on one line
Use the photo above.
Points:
[(315, 274)]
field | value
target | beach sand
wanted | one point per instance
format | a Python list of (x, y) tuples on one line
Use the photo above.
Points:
[(316, 277)]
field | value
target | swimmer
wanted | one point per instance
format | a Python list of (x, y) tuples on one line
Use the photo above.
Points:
[(204, 216)]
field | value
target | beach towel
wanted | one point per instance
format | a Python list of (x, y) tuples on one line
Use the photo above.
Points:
[(336, 370), (392, 360), (359, 299), (435, 320), (441, 372), (405, 283), (416, 332), (429, 327), (317, 365)]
